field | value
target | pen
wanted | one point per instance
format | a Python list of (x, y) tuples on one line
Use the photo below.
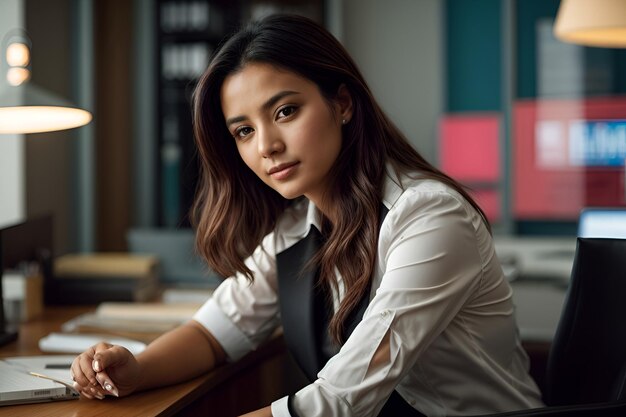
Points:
[(38, 375)]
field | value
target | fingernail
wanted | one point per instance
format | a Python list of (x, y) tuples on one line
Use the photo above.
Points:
[(95, 393), (96, 366), (76, 386), (111, 389)]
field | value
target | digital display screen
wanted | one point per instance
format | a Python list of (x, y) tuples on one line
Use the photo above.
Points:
[(597, 143)]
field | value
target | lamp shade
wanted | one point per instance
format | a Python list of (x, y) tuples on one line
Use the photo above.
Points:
[(24, 107), (592, 23), (29, 109)]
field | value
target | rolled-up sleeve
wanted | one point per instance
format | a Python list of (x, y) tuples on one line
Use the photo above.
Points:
[(240, 314), (430, 267)]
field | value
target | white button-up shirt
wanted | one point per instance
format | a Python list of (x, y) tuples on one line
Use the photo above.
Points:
[(440, 311)]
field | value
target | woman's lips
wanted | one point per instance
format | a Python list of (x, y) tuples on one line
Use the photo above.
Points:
[(283, 171)]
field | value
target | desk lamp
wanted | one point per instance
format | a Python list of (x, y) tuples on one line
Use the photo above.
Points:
[(26, 108)]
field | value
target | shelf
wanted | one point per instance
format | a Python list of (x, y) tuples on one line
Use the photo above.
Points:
[(187, 32), (190, 37)]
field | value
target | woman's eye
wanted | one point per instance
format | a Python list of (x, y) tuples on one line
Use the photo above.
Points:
[(243, 132), (286, 111)]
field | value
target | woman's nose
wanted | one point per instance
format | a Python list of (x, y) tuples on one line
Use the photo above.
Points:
[(269, 143)]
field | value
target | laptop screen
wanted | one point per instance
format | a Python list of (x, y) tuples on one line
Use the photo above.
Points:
[(602, 222)]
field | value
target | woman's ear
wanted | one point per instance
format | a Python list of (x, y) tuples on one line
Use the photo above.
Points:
[(343, 101)]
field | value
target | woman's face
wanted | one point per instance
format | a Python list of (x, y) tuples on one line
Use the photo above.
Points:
[(285, 130)]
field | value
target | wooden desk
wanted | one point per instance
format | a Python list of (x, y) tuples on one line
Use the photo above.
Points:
[(253, 382)]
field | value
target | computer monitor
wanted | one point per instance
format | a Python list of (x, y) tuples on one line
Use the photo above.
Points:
[(602, 222), (7, 335), (24, 242)]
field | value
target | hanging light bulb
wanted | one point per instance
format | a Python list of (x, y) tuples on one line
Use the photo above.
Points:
[(26, 108)]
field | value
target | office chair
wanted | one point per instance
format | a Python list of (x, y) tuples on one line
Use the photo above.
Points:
[(586, 371)]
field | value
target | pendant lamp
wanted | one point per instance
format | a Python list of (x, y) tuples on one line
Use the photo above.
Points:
[(24, 107), (592, 22)]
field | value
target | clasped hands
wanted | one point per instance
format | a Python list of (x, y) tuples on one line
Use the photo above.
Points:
[(105, 369)]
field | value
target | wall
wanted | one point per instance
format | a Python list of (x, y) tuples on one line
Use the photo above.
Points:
[(36, 170), (474, 57), (398, 45), (12, 186), (50, 156), (113, 131)]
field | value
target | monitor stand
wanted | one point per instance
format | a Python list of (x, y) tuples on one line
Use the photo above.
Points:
[(6, 334)]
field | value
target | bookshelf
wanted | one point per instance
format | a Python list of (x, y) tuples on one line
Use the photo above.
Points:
[(187, 33)]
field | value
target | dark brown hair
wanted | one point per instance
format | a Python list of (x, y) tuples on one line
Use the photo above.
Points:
[(234, 209)]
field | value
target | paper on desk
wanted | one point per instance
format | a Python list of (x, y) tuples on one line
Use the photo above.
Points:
[(78, 343), (141, 321), (149, 312), (92, 322)]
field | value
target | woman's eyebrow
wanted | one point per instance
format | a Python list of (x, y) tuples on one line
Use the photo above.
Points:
[(276, 98), (265, 106)]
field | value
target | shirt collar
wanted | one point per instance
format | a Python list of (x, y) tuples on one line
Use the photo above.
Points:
[(392, 187), (313, 216), (392, 190)]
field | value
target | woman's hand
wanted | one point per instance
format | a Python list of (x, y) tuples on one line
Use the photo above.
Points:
[(105, 369), (176, 356)]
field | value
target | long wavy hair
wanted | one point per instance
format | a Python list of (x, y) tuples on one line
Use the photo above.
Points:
[(234, 209)]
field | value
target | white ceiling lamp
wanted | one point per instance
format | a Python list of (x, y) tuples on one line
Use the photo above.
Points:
[(24, 107), (592, 23)]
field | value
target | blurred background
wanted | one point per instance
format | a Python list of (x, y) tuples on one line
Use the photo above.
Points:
[(482, 88), (133, 64), (534, 126)]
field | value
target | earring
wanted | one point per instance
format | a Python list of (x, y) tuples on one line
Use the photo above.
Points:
[(344, 121)]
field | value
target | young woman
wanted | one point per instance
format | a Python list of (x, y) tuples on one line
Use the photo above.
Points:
[(380, 268)]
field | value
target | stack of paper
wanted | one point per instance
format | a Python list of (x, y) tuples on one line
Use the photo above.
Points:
[(140, 321), (78, 343)]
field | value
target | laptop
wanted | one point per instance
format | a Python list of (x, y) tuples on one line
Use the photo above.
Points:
[(35, 379), (602, 222)]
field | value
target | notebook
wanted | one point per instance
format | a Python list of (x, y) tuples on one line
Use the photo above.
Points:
[(34, 379)]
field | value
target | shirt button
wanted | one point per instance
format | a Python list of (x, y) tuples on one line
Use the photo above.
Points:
[(384, 313)]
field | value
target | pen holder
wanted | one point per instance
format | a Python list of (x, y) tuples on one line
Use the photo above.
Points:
[(23, 296)]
